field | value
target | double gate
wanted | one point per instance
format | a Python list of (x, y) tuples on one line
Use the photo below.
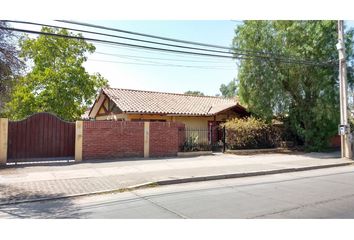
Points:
[(42, 136)]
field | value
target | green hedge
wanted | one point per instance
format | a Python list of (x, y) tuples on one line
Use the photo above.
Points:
[(250, 133)]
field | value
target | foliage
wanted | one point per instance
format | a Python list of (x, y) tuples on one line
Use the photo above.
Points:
[(249, 133), (10, 64), (195, 93), (351, 123), (308, 95), (58, 82), (230, 90), (192, 144)]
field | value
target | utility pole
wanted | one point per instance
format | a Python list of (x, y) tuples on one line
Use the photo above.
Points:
[(344, 129)]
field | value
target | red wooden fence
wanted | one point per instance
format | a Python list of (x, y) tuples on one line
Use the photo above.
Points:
[(41, 135)]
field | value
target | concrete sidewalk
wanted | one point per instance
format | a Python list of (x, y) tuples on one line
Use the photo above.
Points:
[(27, 183)]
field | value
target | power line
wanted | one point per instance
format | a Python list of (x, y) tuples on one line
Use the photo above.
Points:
[(116, 36), (142, 34), (156, 58), (166, 53), (183, 56), (239, 52), (162, 49), (141, 60), (236, 50), (112, 42), (164, 65), (137, 59)]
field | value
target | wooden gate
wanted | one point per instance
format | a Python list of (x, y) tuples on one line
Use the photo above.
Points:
[(42, 136)]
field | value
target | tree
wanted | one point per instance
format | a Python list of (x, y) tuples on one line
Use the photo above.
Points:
[(230, 90), (57, 82), (10, 64), (307, 95), (195, 93)]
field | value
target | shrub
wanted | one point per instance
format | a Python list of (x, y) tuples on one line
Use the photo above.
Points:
[(192, 144), (250, 133)]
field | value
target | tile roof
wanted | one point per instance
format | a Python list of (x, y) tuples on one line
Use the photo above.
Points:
[(148, 102)]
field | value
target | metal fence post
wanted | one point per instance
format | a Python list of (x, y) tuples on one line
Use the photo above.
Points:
[(210, 135)]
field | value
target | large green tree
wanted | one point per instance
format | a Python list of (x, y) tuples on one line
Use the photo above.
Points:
[(10, 64), (57, 81), (230, 90), (306, 94)]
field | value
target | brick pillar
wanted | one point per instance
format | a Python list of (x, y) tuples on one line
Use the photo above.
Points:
[(4, 123), (146, 139), (78, 141)]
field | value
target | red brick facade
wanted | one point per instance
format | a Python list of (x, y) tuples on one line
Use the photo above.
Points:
[(113, 139), (164, 138)]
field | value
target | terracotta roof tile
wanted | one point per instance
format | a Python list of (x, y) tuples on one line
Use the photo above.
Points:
[(138, 101)]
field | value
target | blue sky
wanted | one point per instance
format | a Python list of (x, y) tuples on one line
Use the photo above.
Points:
[(167, 78)]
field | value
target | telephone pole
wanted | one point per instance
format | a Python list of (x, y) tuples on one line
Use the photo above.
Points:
[(344, 128)]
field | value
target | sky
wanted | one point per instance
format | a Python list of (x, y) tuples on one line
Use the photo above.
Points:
[(136, 69), (133, 69), (168, 78)]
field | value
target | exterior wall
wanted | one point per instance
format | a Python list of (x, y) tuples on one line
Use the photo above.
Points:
[(165, 139), (114, 139), (227, 115), (121, 116), (197, 125), (96, 107), (193, 122), (105, 103), (149, 117)]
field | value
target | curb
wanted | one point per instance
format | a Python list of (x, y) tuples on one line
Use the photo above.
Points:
[(248, 174), (194, 154), (183, 180)]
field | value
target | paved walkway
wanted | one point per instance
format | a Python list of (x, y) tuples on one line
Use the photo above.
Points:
[(24, 183)]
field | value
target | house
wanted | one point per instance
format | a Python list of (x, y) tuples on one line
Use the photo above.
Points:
[(196, 112)]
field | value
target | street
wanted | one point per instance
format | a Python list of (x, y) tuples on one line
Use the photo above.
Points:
[(324, 193)]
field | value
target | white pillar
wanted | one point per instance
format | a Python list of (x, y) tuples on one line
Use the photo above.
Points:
[(4, 123), (146, 139), (78, 141)]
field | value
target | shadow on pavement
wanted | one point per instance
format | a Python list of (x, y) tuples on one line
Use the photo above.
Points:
[(60, 208)]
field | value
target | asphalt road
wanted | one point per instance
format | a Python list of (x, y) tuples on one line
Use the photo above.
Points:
[(325, 193)]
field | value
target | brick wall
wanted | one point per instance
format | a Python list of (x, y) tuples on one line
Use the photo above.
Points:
[(112, 139), (164, 138)]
